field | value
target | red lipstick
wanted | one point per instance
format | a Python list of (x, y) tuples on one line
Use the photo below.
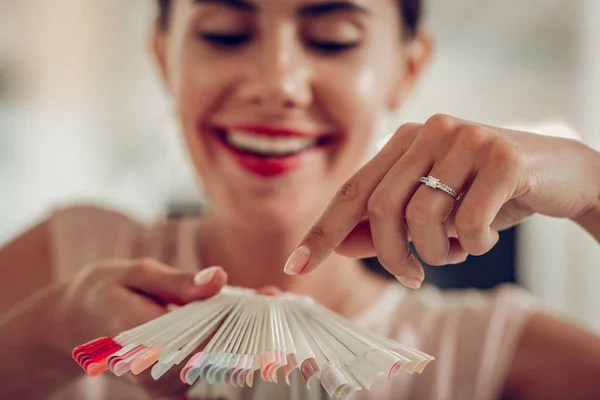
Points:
[(267, 166)]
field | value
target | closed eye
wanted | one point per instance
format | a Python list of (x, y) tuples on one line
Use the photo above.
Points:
[(331, 47), (226, 39)]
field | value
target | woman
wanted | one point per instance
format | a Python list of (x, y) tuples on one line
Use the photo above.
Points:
[(278, 101)]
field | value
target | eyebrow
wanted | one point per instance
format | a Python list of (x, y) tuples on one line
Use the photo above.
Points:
[(238, 4), (312, 10), (319, 9)]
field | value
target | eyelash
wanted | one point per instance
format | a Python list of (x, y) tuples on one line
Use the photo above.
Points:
[(236, 40)]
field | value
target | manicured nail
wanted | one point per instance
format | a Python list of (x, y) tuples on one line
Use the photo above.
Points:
[(411, 283), (297, 261), (205, 276)]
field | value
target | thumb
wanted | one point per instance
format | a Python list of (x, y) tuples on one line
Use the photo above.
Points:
[(169, 285)]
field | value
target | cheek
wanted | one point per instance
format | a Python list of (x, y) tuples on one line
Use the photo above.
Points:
[(191, 107), (195, 83), (355, 99), (366, 85), (198, 88), (194, 88)]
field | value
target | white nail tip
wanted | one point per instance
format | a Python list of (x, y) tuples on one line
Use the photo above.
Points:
[(205, 276)]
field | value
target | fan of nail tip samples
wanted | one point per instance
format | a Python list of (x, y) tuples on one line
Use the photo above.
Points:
[(246, 333)]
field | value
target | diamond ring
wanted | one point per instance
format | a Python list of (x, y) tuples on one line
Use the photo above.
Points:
[(435, 183)]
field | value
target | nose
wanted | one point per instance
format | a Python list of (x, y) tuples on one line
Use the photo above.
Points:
[(278, 79)]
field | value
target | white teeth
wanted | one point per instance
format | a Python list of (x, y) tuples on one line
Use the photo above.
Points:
[(267, 145)]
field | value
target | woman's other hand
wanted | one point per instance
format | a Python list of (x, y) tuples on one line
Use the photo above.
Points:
[(111, 297), (502, 177)]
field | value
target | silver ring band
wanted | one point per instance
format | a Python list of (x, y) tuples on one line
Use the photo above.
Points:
[(435, 183)]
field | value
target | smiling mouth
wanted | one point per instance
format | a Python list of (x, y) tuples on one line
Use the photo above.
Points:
[(270, 144)]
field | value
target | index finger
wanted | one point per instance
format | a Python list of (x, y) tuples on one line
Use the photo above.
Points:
[(348, 206)]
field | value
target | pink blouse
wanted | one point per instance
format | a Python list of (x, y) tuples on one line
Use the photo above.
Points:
[(472, 334)]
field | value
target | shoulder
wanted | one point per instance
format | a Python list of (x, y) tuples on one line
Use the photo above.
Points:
[(90, 225), (82, 215), (82, 234)]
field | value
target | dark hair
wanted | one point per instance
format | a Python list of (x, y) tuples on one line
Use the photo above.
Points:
[(411, 11)]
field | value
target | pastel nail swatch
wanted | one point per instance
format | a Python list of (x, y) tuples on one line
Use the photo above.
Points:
[(248, 333)]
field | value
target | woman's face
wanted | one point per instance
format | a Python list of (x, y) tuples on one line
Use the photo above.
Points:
[(278, 99)]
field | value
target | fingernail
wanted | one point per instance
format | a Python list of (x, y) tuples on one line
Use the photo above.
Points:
[(411, 283), (495, 237), (297, 261), (458, 259), (205, 276)]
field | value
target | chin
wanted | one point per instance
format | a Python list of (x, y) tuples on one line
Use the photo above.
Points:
[(276, 215)]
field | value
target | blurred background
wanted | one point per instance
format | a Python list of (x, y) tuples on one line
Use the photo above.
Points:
[(83, 118)]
